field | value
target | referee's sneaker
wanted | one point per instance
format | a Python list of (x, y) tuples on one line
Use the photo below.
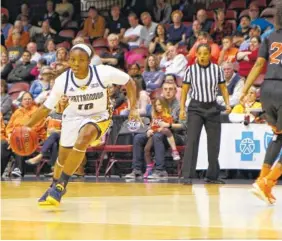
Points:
[(203, 78)]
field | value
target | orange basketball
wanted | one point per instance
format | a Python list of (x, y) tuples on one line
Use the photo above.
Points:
[(24, 141)]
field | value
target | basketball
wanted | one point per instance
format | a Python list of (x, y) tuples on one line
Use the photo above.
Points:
[(24, 141)]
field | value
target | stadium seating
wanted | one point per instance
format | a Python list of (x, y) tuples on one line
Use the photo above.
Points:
[(238, 5), (217, 5)]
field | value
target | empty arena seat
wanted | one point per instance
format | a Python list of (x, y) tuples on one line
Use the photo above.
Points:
[(260, 3), (5, 11), (231, 15), (67, 33), (216, 5), (100, 42), (64, 44), (238, 5), (210, 15), (17, 88), (268, 12)]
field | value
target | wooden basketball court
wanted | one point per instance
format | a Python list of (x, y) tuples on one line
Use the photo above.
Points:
[(139, 211)]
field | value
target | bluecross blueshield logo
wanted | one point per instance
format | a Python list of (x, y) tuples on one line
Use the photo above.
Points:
[(247, 146)]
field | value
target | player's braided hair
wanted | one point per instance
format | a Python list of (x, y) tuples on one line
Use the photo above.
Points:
[(278, 15)]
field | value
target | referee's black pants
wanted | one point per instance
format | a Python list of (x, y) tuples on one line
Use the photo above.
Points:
[(199, 114)]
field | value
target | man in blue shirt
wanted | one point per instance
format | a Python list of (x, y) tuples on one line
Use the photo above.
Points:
[(255, 20)]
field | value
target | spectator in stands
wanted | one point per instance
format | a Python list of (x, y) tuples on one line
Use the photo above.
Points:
[(50, 51), (5, 152), (61, 57), (36, 69), (238, 39), (220, 27), (159, 140), (241, 110), (153, 75), (245, 26), (50, 146), (65, 11), (234, 85), (148, 30), (21, 73), (134, 70), (173, 63), (94, 25), (187, 8), (118, 99), (255, 31), (256, 20), (204, 38), (227, 53), (32, 48), (28, 27), (18, 28), (19, 118), (25, 11), (162, 11), (247, 58), (115, 54), (202, 17), (6, 102), (6, 66), (132, 35), (158, 43), (40, 99), (43, 83), (41, 38), (115, 23), (177, 30), (78, 40), (5, 25), (52, 17), (196, 29), (16, 50)]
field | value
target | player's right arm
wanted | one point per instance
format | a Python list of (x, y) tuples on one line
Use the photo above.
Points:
[(54, 97)]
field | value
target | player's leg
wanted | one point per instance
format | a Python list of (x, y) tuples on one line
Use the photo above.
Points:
[(89, 131), (58, 167)]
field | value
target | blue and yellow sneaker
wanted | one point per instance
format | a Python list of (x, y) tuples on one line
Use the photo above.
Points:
[(55, 194), (43, 200)]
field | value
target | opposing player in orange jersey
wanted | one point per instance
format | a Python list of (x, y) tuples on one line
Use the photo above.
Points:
[(271, 99)]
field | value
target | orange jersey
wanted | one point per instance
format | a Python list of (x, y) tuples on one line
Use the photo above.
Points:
[(155, 121)]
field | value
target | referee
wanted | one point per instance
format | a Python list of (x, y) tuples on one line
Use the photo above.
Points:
[(203, 78)]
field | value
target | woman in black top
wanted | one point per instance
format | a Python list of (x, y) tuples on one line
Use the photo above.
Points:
[(203, 78), (158, 44)]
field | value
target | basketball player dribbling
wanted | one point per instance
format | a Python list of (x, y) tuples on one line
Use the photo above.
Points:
[(271, 99), (87, 117)]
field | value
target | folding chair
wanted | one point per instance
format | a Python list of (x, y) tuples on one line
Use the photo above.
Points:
[(111, 149)]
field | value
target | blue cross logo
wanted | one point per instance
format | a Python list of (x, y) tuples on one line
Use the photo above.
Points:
[(247, 146)]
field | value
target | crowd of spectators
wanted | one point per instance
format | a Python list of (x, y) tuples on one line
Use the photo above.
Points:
[(154, 48)]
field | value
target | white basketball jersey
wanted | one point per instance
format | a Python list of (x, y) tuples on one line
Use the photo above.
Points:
[(90, 99)]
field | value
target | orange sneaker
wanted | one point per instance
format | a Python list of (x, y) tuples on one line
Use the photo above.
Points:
[(262, 189)]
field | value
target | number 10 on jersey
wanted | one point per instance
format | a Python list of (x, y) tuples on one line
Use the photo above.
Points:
[(88, 106)]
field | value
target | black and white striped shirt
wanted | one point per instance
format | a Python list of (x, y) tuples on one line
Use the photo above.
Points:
[(204, 81)]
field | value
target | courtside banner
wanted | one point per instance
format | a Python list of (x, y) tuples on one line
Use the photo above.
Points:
[(242, 147)]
